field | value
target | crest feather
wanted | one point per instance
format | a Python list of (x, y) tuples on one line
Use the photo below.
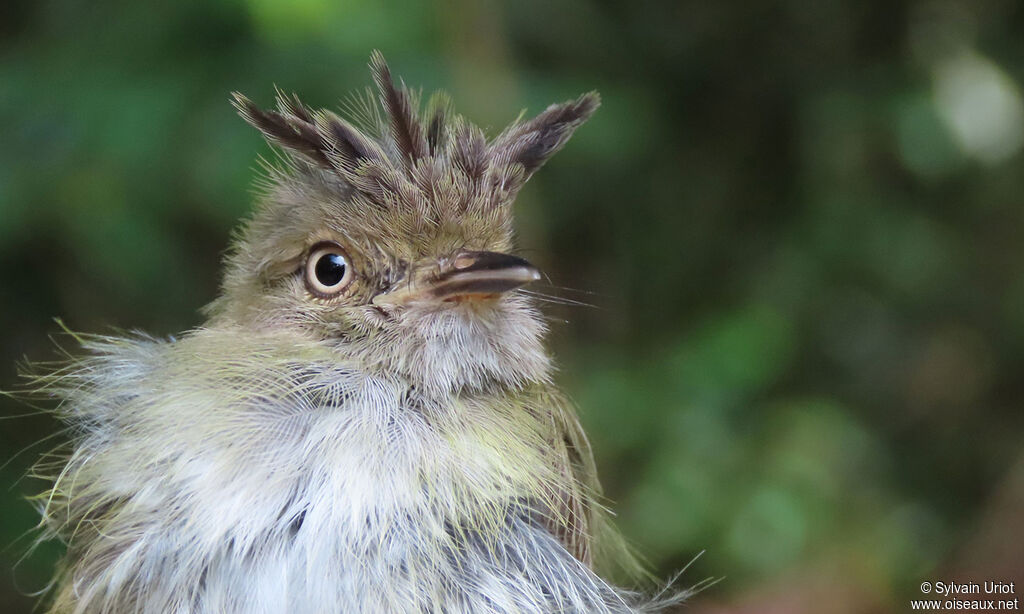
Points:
[(397, 103), (388, 165), (291, 129), (350, 148), (531, 143), (438, 111)]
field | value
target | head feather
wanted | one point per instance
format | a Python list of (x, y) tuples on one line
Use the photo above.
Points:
[(349, 148), (531, 143), (384, 164), (405, 126), (290, 129), (437, 113)]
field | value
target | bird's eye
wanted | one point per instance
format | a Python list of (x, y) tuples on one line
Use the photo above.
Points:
[(327, 270)]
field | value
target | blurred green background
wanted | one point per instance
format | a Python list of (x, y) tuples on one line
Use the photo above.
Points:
[(798, 224)]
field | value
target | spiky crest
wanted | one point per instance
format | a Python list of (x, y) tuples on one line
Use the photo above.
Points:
[(417, 154)]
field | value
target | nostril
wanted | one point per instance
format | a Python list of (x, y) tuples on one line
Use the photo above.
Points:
[(463, 261)]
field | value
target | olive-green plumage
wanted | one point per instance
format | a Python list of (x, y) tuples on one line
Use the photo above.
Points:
[(367, 421)]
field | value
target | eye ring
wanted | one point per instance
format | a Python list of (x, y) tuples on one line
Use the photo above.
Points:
[(328, 270)]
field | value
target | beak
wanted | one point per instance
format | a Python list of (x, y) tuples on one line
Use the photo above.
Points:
[(467, 276)]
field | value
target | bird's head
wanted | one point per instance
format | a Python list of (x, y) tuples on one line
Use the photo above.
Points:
[(389, 237)]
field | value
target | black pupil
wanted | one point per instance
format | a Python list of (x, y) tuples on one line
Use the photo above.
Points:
[(330, 269)]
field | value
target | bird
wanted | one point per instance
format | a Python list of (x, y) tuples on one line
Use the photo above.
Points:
[(367, 421)]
